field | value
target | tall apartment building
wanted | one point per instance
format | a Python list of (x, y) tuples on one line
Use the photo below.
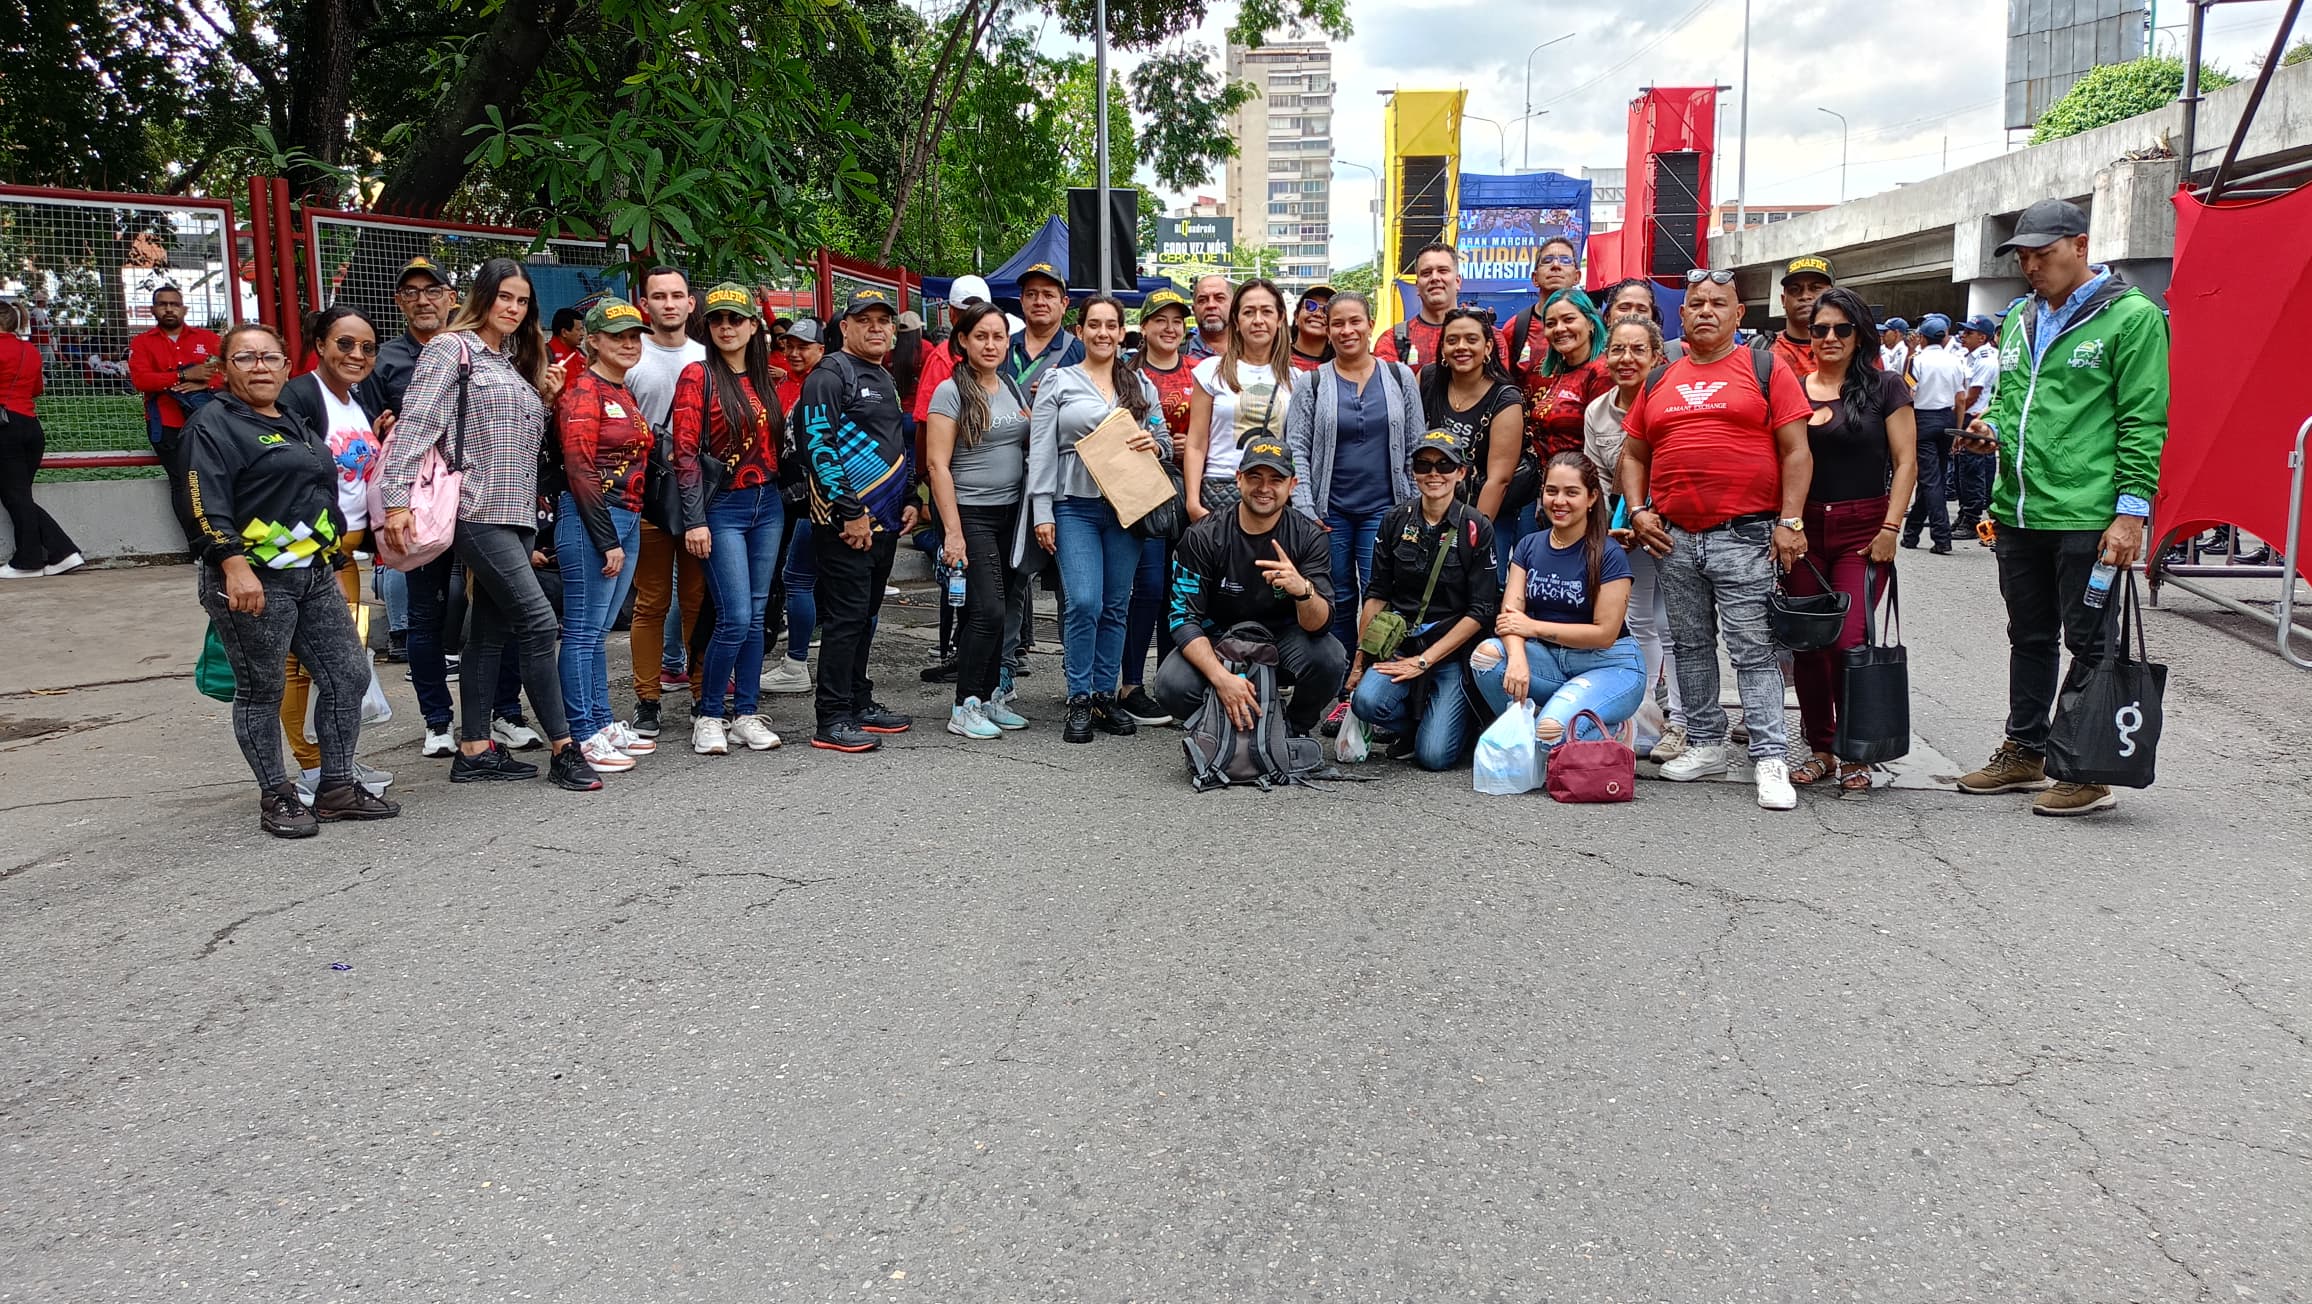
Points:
[(1280, 184)]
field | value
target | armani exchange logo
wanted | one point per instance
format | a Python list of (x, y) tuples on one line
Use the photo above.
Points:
[(1698, 394)]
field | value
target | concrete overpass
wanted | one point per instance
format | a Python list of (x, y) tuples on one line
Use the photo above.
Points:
[(1926, 247)]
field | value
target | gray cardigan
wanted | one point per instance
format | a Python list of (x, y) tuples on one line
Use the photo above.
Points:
[(1312, 427), (1068, 407)]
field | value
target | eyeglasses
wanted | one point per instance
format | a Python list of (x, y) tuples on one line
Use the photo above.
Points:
[(1823, 330), (251, 361), (1721, 276), (434, 292), (346, 344), (1629, 350), (1561, 260), (1433, 466)]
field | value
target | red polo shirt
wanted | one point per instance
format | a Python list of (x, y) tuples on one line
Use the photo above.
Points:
[(153, 360)]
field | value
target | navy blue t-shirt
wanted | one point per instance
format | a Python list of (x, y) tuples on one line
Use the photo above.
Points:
[(1361, 485), (1557, 579)]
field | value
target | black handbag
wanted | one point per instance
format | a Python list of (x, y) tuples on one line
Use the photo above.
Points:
[(1808, 622), (1874, 698), (1167, 520), (2108, 717)]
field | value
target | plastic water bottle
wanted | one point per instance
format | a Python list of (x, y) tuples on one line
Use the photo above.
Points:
[(2099, 584), (955, 585)]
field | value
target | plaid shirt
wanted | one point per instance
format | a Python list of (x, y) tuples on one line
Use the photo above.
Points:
[(505, 422)]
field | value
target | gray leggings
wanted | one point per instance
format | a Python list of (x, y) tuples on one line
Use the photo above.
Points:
[(305, 614)]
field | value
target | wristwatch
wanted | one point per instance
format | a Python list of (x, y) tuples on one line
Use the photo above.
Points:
[(1422, 662), (1794, 524), (1303, 597)]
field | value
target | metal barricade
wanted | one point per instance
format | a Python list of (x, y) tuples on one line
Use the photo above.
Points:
[(355, 259), (82, 267)]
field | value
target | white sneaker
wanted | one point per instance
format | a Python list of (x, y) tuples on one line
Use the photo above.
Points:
[(1774, 790), (73, 562), (623, 737), (966, 720), (11, 573), (603, 754), (708, 737), (1699, 761), (755, 732), (789, 676), (515, 736), (438, 744)]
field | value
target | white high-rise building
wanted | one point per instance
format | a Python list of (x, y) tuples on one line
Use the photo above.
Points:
[(1280, 184)]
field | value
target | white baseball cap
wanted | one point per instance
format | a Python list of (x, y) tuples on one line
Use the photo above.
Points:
[(969, 289), (1014, 320)]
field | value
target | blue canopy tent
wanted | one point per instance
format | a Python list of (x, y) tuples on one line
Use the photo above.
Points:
[(1049, 246)]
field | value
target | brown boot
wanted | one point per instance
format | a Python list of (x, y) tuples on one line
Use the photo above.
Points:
[(2074, 799), (2012, 768)]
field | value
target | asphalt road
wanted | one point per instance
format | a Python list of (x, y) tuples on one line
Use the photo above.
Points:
[(1020, 1021)]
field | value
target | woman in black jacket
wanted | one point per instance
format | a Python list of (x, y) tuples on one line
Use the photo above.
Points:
[(263, 495)]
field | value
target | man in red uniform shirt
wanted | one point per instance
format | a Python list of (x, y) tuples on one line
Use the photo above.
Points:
[(939, 360), (176, 368), (1717, 454)]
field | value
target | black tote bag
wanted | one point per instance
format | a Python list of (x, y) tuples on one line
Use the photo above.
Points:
[(1874, 710), (2107, 727)]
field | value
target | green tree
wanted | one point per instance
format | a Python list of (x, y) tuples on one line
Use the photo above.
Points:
[(1361, 278), (84, 80), (2120, 90)]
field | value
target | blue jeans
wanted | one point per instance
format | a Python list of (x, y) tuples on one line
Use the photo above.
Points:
[(1145, 622), (1097, 560), (1568, 681), (1508, 530), (393, 590), (1351, 569), (746, 524), (590, 602), (1445, 718), (801, 578)]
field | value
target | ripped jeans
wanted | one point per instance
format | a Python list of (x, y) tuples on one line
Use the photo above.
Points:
[(1609, 681)]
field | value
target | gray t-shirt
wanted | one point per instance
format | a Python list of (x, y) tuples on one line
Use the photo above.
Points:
[(995, 472), (651, 382)]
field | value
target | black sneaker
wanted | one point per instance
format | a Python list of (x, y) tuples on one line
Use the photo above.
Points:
[(646, 719), (496, 763), (844, 735), (1143, 708), (569, 770), (1911, 542), (396, 648), (942, 672), (1079, 726), (1109, 718), (1942, 548), (1400, 748), (881, 719), (351, 801), (282, 813)]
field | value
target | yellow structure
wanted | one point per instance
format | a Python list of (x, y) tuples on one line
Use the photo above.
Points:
[(1420, 185)]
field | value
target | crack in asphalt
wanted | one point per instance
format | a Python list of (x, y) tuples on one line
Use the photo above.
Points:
[(2201, 1290), (225, 935), (2239, 988)]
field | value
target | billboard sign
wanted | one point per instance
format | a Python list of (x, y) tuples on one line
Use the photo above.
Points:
[(2053, 43), (1194, 241), (1503, 221)]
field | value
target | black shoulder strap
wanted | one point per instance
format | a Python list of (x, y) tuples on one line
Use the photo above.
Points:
[(1654, 378), (1404, 337), (1763, 364)]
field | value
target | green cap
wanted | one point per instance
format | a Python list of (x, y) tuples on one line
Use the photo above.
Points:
[(730, 296), (612, 315), (1158, 300)]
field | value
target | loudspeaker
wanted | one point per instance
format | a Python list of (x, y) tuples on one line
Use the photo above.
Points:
[(1084, 238), (1678, 213), (1421, 216)]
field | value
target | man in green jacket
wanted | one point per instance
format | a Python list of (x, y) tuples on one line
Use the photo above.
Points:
[(2077, 424)]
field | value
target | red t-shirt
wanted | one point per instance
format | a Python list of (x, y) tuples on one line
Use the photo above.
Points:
[(1173, 389), (1556, 406), (1424, 340), (938, 363), (557, 352), (1712, 438), (1795, 355), (154, 360), (21, 379)]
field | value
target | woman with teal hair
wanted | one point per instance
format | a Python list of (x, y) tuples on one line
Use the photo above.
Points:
[(1561, 384)]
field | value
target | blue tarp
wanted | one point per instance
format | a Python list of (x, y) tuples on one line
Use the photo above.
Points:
[(1049, 245)]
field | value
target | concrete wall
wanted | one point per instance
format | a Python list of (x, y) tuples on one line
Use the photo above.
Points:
[(125, 520)]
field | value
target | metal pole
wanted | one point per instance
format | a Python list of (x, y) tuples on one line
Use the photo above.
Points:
[(1500, 135), (2264, 73), (2284, 622), (1742, 161), (1841, 152), (1528, 163), (2191, 95), (1100, 131)]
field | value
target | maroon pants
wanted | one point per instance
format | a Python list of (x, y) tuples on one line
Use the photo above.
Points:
[(1837, 536)]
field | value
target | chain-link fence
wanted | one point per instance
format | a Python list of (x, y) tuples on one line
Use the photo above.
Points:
[(355, 259), (81, 268)]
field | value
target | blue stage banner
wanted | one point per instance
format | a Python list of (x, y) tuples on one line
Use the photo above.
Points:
[(1503, 221)]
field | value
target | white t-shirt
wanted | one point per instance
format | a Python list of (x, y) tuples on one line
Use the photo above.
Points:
[(1982, 373), (1941, 375), (652, 380), (353, 447), (1237, 414), (1894, 357)]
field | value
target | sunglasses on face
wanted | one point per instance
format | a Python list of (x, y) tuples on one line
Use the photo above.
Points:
[(1561, 260), (1433, 466), (1697, 275), (346, 344), (249, 361), (1823, 330)]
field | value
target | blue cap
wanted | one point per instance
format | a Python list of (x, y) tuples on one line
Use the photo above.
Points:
[(1935, 329), (1896, 324), (1980, 324)]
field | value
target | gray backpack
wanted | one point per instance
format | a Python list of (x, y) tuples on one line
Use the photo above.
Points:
[(1220, 754)]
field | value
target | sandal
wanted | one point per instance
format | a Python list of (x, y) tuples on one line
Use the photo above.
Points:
[(1853, 777), (1814, 769)]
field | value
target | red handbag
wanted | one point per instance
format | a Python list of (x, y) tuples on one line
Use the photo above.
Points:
[(1600, 770)]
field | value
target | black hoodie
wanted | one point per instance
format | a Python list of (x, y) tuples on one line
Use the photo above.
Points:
[(261, 487)]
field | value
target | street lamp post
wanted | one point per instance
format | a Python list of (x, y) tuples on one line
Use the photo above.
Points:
[(1374, 208), (1100, 130), (1742, 161), (1529, 113), (1841, 152), (1500, 135)]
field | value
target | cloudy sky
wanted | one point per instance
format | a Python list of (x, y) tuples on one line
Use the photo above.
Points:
[(1909, 84)]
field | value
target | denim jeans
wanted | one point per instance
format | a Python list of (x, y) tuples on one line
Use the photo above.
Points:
[(800, 576), (393, 590), (1145, 622), (304, 614), (1609, 681), (1097, 560), (590, 602), (1931, 503), (1351, 539), (1443, 728), (746, 524), (427, 589), (1651, 626), (2043, 577), (1511, 527), (1718, 579)]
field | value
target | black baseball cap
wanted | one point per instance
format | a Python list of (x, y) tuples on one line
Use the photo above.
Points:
[(1810, 265), (866, 297), (421, 266), (1269, 451), (2044, 223), (1441, 442), (1046, 271)]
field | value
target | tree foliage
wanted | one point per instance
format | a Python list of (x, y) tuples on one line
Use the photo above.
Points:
[(2120, 90)]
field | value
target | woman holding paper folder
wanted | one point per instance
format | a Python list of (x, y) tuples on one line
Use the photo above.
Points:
[(1097, 555)]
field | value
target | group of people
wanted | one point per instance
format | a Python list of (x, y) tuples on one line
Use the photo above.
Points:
[(1429, 524)]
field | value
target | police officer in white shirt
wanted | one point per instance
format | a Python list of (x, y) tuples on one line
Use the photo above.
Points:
[(1940, 376), (1894, 347), (1973, 463)]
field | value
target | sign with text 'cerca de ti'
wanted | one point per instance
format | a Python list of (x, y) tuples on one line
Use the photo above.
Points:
[(1192, 246)]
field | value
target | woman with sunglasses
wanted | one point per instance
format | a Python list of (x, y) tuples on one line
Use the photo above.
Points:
[(1468, 393), (263, 490), (1633, 350), (1420, 689), (339, 401), (1865, 443)]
